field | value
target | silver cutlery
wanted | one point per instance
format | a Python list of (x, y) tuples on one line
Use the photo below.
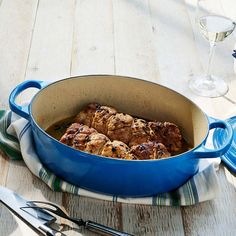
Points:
[(37, 215)]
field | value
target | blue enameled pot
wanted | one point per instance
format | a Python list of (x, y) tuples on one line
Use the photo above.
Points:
[(140, 98)]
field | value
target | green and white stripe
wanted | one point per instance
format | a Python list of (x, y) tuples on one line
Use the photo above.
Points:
[(16, 142), (8, 143)]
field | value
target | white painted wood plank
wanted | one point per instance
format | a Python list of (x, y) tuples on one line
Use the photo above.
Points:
[(231, 178), (16, 23), (103, 212), (3, 167), (150, 220), (30, 187), (93, 51), (135, 55), (11, 225), (216, 217), (134, 42), (218, 107), (231, 95), (174, 40), (174, 25), (50, 53), (229, 7), (49, 59), (221, 108), (222, 61), (173, 22)]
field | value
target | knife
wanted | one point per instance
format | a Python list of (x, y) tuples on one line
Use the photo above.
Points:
[(37, 219)]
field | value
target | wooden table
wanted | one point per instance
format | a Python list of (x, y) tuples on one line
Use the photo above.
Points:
[(155, 40)]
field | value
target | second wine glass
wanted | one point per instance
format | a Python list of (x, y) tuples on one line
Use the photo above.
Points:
[(215, 26)]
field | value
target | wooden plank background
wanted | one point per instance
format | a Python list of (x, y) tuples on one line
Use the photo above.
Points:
[(154, 40)]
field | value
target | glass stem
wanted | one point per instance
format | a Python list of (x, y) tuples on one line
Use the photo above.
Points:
[(210, 57)]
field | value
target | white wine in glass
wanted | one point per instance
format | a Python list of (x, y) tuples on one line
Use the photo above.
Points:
[(215, 27)]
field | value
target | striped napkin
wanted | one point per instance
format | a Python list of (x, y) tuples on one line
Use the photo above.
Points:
[(17, 142)]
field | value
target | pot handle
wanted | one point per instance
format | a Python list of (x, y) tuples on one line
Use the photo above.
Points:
[(203, 152), (23, 110)]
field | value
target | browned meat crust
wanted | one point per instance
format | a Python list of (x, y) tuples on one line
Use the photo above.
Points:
[(101, 117), (150, 150), (87, 139), (117, 149), (166, 133), (71, 131), (103, 131), (82, 137), (87, 114), (139, 130), (119, 127), (95, 143)]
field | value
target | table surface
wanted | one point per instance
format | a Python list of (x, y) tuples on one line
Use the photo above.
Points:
[(155, 40)]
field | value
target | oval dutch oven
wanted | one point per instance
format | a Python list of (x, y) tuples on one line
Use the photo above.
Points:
[(133, 178)]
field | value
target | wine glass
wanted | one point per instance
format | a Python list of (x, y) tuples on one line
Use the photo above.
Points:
[(214, 26)]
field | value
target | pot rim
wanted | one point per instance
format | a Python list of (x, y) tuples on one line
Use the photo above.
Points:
[(110, 158)]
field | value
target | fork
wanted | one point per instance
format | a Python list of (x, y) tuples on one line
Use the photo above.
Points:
[(90, 225)]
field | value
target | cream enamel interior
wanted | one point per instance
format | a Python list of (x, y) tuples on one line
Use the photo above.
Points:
[(139, 98)]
